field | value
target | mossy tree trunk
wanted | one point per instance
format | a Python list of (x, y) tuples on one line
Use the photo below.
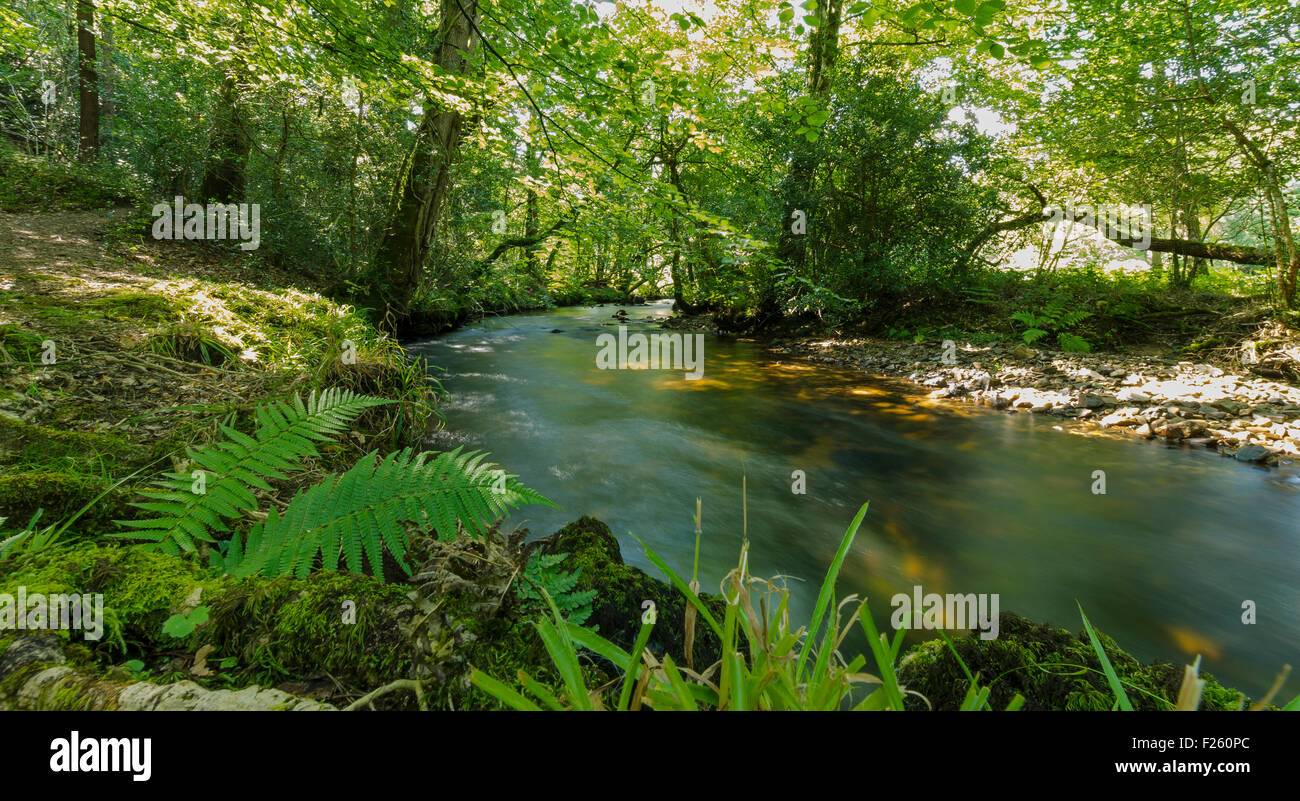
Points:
[(425, 176)]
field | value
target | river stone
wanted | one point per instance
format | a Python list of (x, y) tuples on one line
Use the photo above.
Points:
[(188, 696), (1133, 395), (1229, 405), (1250, 453), (1121, 417), (30, 650)]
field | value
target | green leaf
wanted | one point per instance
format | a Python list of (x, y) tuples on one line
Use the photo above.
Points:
[(501, 692), (178, 626)]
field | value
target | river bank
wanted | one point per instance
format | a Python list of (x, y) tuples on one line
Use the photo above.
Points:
[(417, 641), (1195, 404)]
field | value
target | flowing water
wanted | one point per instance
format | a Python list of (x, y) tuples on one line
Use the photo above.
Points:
[(963, 499)]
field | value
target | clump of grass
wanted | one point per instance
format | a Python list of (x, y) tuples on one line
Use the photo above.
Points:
[(766, 662), (191, 341), (18, 344)]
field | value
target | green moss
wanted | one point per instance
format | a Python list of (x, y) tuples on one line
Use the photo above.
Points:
[(60, 495), (142, 589), (279, 628), (34, 445), (140, 306), (1052, 668), (11, 684)]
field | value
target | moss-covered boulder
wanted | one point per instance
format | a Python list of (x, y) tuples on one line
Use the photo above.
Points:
[(620, 590), (327, 625), (1052, 668)]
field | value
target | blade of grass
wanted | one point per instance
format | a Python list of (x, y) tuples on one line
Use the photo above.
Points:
[(501, 692), (633, 666), (1115, 686), (566, 664), (884, 659), (681, 586), (828, 588)]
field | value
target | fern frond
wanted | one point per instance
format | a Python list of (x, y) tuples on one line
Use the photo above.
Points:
[(357, 516), (285, 434), (1027, 318)]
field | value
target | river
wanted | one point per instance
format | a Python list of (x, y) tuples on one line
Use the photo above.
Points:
[(963, 499)]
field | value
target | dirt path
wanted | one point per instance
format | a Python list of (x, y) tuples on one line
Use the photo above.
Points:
[(79, 315)]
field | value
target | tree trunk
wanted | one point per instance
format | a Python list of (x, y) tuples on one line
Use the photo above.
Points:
[(531, 225), (425, 177), (224, 173), (88, 82), (1239, 254), (1286, 254), (823, 51), (680, 303), (792, 247)]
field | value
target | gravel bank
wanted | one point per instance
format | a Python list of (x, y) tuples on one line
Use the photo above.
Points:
[(1245, 417)]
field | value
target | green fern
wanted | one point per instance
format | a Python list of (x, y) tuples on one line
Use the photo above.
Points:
[(365, 512), (234, 467), (1071, 343), (543, 571)]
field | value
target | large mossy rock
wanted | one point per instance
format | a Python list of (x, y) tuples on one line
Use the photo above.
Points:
[(1050, 667), (620, 590), (282, 629)]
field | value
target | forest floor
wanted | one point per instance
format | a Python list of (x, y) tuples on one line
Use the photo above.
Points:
[(141, 344), (102, 309), (116, 353)]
